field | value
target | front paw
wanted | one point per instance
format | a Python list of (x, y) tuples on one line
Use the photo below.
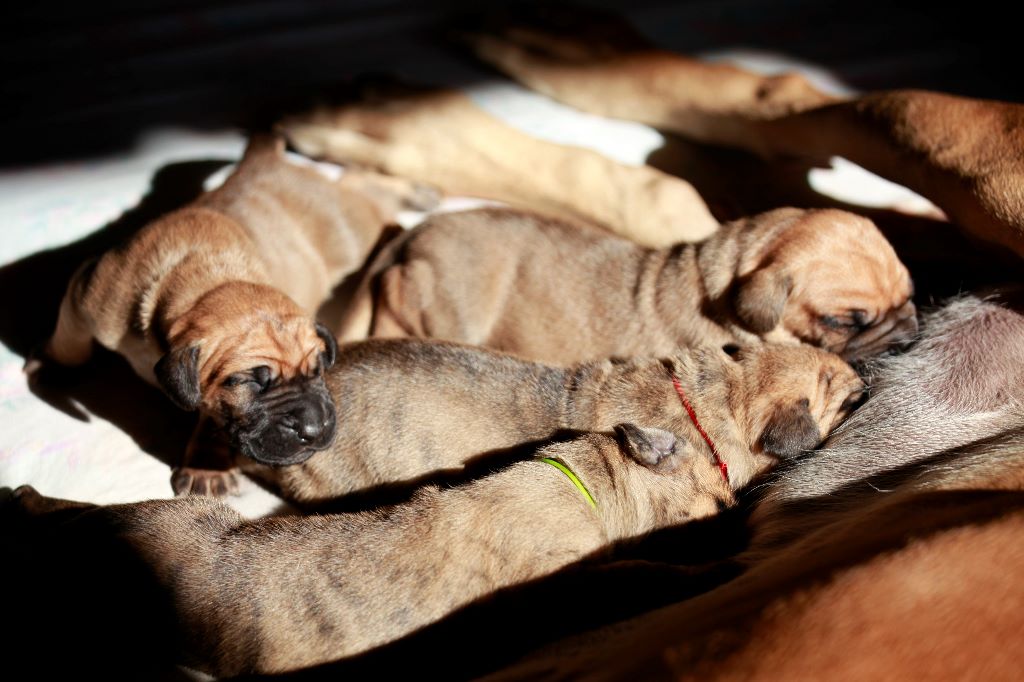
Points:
[(189, 481)]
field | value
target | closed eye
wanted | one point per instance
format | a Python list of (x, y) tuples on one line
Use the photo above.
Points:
[(853, 401), (857, 319), (258, 378)]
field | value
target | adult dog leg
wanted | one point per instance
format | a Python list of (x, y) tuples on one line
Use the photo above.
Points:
[(963, 154)]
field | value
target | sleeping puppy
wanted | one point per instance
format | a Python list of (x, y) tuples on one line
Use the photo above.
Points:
[(962, 383), (283, 593), (215, 302), (563, 293), (903, 528), (411, 410)]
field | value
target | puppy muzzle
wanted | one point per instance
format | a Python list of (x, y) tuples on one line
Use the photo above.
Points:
[(288, 425)]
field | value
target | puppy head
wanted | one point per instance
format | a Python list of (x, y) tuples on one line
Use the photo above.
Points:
[(828, 278), (249, 358), (792, 397)]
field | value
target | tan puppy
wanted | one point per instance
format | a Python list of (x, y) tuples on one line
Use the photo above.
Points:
[(560, 293), (283, 593), (215, 304), (411, 411), (440, 137), (963, 154)]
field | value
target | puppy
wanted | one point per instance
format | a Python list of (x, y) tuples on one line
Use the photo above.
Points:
[(920, 487), (289, 592), (215, 302), (963, 382), (409, 410), (561, 293), (441, 137)]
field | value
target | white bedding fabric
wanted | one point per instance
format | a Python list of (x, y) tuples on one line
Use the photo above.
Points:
[(47, 206)]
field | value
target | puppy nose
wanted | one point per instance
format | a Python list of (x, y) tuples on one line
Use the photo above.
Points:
[(310, 422)]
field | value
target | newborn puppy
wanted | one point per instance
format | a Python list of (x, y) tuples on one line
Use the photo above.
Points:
[(409, 409), (962, 383), (563, 293), (289, 592), (215, 303)]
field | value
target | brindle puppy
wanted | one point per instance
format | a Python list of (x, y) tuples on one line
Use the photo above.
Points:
[(408, 408), (283, 593), (562, 293), (215, 304)]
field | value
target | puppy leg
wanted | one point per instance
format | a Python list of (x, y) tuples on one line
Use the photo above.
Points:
[(405, 292), (208, 467), (71, 344), (442, 138)]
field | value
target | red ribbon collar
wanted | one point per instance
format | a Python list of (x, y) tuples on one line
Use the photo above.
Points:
[(722, 466)]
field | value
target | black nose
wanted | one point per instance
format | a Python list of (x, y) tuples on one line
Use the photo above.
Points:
[(310, 421)]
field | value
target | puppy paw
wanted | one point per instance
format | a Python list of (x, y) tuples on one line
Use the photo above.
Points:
[(189, 481), (35, 363)]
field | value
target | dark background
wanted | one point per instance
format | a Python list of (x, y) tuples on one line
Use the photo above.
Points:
[(85, 77)]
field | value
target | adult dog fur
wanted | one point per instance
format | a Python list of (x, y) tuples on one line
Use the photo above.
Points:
[(411, 409), (215, 304), (563, 293), (283, 593)]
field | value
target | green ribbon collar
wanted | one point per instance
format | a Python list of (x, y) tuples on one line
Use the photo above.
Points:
[(572, 477)]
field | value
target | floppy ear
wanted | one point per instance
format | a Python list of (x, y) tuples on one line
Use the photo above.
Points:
[(761, 298), (178, 374), (656, 449), (791, 431), (330, 353)]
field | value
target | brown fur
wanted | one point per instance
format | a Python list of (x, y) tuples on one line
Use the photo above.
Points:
[(199, 299), (440, 137), (560, 293), (410, 409), (963, 154), (922, 582), (282, 593), (874, 557)]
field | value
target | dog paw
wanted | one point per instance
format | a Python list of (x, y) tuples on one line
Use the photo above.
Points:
[(35, 364), (189, 481)]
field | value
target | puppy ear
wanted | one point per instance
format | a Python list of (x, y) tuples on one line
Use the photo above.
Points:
[(178, 374), (656, 449), (330, 353), (791, 431), (761, 298)]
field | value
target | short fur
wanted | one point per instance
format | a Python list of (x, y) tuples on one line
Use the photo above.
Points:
[(962, 382), (283, 593), (409, 409), (963, 154), (215, 302), (561, 293), (893, 552)]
